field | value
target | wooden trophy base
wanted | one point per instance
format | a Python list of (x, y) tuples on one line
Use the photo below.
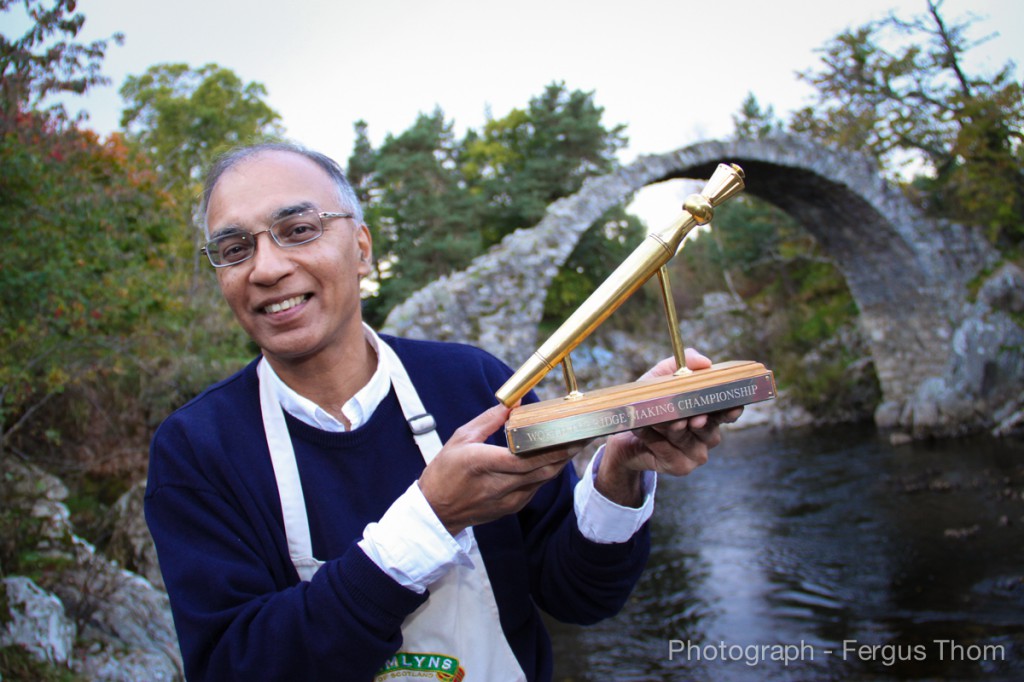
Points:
[(563, 421)]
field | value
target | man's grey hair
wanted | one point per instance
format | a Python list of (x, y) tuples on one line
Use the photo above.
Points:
[(228, 160)]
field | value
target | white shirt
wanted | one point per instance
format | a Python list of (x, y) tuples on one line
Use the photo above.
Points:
[(409, 542), (357, 410)]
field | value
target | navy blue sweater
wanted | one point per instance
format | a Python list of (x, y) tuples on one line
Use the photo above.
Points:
[(239, 608)]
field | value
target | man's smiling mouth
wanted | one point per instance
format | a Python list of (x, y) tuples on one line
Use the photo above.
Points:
[(286, 304)]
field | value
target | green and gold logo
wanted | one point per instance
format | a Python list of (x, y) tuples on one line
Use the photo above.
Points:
[(408, 665)]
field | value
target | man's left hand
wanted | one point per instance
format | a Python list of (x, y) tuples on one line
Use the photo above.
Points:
[(675, 448)]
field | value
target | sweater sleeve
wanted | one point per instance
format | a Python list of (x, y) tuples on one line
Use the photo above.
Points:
[(237, 608), (574, 579)]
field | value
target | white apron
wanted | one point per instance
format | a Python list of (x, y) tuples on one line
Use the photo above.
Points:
[(456, 633)]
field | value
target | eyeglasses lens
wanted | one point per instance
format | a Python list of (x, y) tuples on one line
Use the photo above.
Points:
[(236, 247), (297, 229)]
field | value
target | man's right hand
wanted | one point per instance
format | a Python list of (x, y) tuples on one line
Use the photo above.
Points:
[(471, 483)]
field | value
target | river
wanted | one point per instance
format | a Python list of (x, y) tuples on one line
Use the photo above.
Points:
[(825, 554)]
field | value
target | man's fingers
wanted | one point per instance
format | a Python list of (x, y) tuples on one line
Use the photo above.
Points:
[(697, 421), (729, 416), (499, 460), (481, 427), (671, 457), (694, 360), (662, 369), (535, 478), (540, 463)]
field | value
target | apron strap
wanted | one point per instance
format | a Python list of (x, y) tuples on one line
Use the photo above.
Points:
[(286, 471), (421, 423)]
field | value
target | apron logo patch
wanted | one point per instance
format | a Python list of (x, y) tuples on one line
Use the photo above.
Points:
[(421, 666)]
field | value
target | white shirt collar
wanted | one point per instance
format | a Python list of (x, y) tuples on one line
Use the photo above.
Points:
[(357, 410)]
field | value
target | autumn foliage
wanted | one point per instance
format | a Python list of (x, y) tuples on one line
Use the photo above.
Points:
[(83, 270)]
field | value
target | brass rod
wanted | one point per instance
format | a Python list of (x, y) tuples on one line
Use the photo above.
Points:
[(673, 321), (571, 387)]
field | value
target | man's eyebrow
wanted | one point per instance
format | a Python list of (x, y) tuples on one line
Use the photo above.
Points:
[(282, 212), (286, 211), (226, 230)]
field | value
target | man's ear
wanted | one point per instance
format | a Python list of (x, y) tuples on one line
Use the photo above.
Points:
[(364, 244)]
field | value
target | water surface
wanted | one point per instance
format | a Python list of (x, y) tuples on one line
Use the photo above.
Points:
[(849, 557)]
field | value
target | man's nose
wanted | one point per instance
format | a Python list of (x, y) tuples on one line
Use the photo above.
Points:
[(270, 262)]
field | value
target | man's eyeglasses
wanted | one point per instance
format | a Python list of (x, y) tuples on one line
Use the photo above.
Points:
[(238, 246)]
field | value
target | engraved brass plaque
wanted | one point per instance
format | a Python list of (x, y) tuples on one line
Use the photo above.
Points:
[(603, 422)]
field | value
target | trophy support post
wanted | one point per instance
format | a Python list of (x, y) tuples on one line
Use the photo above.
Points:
[(559, 422), (673, 321)]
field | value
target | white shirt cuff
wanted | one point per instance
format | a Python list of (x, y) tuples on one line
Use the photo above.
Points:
[(411, 545), (600, 519)]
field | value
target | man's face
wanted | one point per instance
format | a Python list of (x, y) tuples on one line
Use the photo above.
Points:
[(298, 302)]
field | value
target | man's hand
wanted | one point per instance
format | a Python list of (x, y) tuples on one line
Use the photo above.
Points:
[(674, 448), (470, 482)]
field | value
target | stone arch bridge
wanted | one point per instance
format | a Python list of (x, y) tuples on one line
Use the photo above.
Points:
[(907, 273)]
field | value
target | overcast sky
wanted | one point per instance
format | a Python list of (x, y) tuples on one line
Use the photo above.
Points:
[(674, 71)]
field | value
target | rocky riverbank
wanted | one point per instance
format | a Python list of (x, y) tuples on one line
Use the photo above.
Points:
[(67, 611)]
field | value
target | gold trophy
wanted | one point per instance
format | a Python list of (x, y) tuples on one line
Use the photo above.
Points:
[(582, 416)]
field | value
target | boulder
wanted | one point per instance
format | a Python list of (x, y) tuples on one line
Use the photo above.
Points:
[(36, 622), (982, 386), (130, 544), (119, 622)]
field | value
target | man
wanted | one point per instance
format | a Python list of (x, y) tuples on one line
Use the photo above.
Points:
[(309, 522)]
